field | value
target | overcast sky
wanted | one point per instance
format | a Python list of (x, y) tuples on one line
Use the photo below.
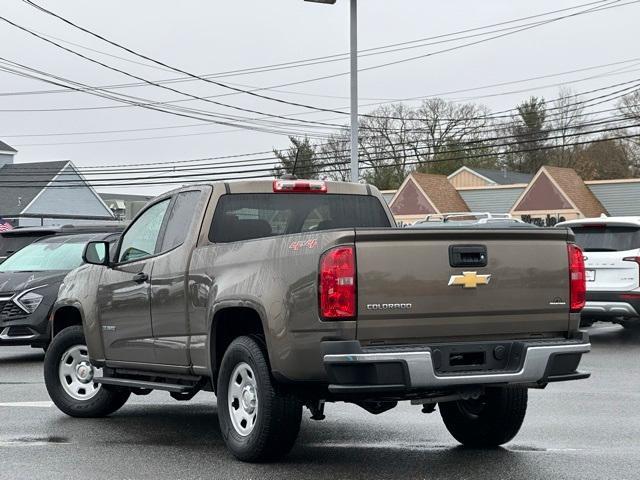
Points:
[(208, 37)]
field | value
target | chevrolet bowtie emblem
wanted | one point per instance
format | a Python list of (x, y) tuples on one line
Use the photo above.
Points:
[(469, 279)]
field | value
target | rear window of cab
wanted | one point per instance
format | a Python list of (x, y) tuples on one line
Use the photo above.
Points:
[(260, 215)]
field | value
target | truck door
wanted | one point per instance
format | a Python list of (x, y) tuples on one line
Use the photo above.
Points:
[(168, 286), (124, 295)]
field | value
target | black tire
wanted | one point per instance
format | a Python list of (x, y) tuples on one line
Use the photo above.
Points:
[(278, 414), (492, 420), (633, 325), (586, 323), (104, 402)]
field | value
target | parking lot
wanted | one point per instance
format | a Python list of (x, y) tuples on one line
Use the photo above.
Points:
[(585, 429)]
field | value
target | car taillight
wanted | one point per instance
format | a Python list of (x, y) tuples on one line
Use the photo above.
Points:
[(299, 186), (337, 283), (633, 259), (577, 278)]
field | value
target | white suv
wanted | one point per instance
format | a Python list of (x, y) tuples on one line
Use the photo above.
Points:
[(612, 261)]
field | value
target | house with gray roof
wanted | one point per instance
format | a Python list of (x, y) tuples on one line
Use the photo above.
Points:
[(47, 193), (484, 177), (7, 153)]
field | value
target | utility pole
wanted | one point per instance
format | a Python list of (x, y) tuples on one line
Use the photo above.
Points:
[(355, 173)]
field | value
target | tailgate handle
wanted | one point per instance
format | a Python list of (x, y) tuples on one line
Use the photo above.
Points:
[(468, 256)]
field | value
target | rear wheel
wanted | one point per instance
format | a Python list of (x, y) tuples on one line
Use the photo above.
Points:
[(69, 375), (493, 419), (258, 421)]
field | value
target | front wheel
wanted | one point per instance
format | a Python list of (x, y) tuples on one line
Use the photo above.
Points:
[(493, 419), (258, 421), (68, 376)]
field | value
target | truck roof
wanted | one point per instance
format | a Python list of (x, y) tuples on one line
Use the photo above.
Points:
[(267, 186)]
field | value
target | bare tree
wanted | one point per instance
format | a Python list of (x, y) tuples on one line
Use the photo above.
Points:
[(452, 135), (334, 156), (629, 105), (567, 123), (629, 108), (388, 145)]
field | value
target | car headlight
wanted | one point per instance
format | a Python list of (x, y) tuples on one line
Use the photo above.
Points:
[(29, 301)]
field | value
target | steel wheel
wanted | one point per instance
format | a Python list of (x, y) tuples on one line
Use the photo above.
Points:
[(76, 373), (243, 399), (472, 408)]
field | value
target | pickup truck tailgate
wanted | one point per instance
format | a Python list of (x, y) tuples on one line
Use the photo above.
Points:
[(410, 288)]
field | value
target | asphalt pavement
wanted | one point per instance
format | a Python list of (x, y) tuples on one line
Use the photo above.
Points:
[(587, 429)]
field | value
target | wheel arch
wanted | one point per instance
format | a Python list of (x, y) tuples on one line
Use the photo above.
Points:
[(65, 316), (229, 322)]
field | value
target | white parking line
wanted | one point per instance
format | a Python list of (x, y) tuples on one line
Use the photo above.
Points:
[(27, 404)]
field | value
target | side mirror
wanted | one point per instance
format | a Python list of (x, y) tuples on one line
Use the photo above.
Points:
[(96, 253)]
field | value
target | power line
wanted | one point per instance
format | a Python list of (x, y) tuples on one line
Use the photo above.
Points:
[(144, 103), (458, 150), (606, 5), (419, 162), (209, 133), (158, 85), (576, 126), (364, 127), (389, 48)]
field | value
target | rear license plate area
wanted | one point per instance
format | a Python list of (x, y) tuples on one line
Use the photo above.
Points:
[(477, 357), (468, 359)]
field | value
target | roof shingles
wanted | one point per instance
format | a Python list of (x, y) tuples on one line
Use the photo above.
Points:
[(504, 177), (574, 187), (23, 182), (441, 192)]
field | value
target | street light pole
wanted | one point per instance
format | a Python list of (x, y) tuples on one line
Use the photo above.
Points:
[(355, 174)]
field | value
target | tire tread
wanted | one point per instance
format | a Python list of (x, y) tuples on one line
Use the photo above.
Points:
[(497, 425)]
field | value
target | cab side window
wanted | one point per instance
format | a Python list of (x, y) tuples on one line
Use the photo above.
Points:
[(142, 237), (180, 219)]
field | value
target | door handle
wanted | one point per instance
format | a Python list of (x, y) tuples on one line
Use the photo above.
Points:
[(140, 277)]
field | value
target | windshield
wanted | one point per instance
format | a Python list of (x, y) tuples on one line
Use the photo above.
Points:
[(602, 238), (53, 254)]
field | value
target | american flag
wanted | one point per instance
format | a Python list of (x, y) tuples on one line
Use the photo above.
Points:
[(4, 225)]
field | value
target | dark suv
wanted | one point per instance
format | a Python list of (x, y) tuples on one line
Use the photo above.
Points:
[(12, 241), (29, 283)]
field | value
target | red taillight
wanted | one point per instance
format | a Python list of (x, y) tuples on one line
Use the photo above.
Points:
[(337, 283), (633, 259), (577, 278), (299, 186)]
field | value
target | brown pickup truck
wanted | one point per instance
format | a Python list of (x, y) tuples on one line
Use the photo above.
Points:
[(284, 294)]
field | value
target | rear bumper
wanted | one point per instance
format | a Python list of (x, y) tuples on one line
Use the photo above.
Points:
[(409, 368), (611, 305)]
